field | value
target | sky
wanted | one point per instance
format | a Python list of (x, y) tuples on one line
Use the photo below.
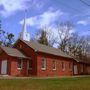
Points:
[(44, 13)]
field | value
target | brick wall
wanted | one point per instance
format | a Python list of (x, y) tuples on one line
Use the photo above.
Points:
[(49, 70), (29, 52)]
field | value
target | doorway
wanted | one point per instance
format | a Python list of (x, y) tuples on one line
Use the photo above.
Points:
[(75, 69), (4, 67)]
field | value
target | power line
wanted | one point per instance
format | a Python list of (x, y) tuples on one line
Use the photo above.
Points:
[(85, 3), (70, 7)]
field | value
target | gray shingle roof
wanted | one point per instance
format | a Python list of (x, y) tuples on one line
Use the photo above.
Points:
[(45, 49), (13, 52)]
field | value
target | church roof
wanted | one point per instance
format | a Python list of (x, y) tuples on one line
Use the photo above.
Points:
[(45, 49), (13, 52)]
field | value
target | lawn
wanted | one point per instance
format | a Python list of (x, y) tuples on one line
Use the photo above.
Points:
[(81, 83)]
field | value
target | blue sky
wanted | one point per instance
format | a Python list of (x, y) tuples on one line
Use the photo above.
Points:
[(44, 12)]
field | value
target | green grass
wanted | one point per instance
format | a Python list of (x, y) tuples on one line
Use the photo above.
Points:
[(82, 83)]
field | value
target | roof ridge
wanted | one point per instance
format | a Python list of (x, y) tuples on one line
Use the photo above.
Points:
[(43, 45), (46, 49)]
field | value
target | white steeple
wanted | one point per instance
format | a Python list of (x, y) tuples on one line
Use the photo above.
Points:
[(24, 35)]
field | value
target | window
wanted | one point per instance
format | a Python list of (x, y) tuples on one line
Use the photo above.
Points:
[(43, 64), (54, 65), (70, 65), (20, 46), (19, 64), (82, 68), (63, 66), (29, 64)]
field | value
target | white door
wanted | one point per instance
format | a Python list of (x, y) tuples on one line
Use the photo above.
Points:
[(4, 67), (75, 69)]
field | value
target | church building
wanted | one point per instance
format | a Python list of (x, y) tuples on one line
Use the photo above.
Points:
[(27, 58)]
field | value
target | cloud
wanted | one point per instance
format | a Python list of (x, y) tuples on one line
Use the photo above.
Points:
[(38, 4), (84, 22), (9, 7), (47, 18)]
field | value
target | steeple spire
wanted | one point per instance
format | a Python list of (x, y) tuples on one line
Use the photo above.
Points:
[(24, 23), (24, 35)]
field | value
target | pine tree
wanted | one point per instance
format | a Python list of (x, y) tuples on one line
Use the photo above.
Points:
[(43, 38)]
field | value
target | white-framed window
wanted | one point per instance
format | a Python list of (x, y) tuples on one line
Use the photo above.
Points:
[(43, 64), (70, 66), (29, 64), (54, 65), (19, 64), (63, 66)]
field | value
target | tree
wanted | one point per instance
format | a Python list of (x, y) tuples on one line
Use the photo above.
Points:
[(68, 42), (74, 45), (6, 39), (46, 36), (78, 46), (43, 37), (71, 43), (10, 39), (64, 31)]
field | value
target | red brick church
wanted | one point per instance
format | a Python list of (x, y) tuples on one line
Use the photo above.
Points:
[(28, 58)]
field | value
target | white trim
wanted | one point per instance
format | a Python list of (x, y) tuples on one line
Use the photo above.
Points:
[(21, 65), (44, 64), (28, 68), (19, 68), (63, 69), (54, 69), (55, 65), (43, 68), (75, 69)]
